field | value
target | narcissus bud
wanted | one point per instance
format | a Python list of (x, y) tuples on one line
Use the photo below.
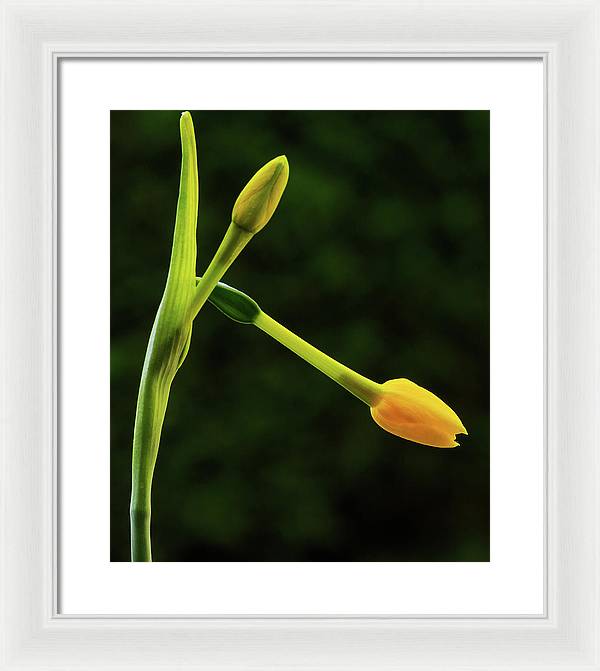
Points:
[(259, 198), (398, 406), (413, 413)]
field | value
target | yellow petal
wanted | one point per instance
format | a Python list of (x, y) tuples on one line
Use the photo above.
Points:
[(413, 413)]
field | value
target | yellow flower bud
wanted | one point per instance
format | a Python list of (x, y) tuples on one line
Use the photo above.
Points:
[(398, 406), (413, 413), (259, 198)]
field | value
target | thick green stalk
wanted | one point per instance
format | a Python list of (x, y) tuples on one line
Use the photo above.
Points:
[(167, 346), (151, 409)]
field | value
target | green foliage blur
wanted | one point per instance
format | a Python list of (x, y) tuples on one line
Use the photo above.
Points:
[(379, 255)]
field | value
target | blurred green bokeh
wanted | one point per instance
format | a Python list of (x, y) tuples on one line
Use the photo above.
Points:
[(379, 255)]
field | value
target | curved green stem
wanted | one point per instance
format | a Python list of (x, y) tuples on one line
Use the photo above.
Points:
[(241, 308), (363, 388)]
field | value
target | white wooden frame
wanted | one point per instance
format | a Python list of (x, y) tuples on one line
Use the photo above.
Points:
[(566, 34)]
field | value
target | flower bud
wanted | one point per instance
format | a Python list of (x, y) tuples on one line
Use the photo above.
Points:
[(259, 198), (413, 413)]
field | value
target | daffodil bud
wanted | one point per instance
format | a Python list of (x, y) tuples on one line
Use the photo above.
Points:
[(259, 198), (398, 406), (413, 413)]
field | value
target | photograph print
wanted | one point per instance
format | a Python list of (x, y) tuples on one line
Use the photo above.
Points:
[(300, 343)]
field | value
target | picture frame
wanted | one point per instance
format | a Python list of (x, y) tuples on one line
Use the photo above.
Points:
[(35, 36)]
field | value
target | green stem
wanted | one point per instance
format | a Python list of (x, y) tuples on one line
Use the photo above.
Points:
[(140, 533), (363, 388), (239, 307), (234, 241), (149, 417)]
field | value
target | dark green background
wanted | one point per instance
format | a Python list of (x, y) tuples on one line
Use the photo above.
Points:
[(379, 255)]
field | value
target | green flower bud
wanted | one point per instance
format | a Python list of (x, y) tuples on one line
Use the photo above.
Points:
[(259, 198)]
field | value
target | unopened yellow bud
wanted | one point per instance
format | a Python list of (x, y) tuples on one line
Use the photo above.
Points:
[(413, 413), (398, 406), (259, 198)]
